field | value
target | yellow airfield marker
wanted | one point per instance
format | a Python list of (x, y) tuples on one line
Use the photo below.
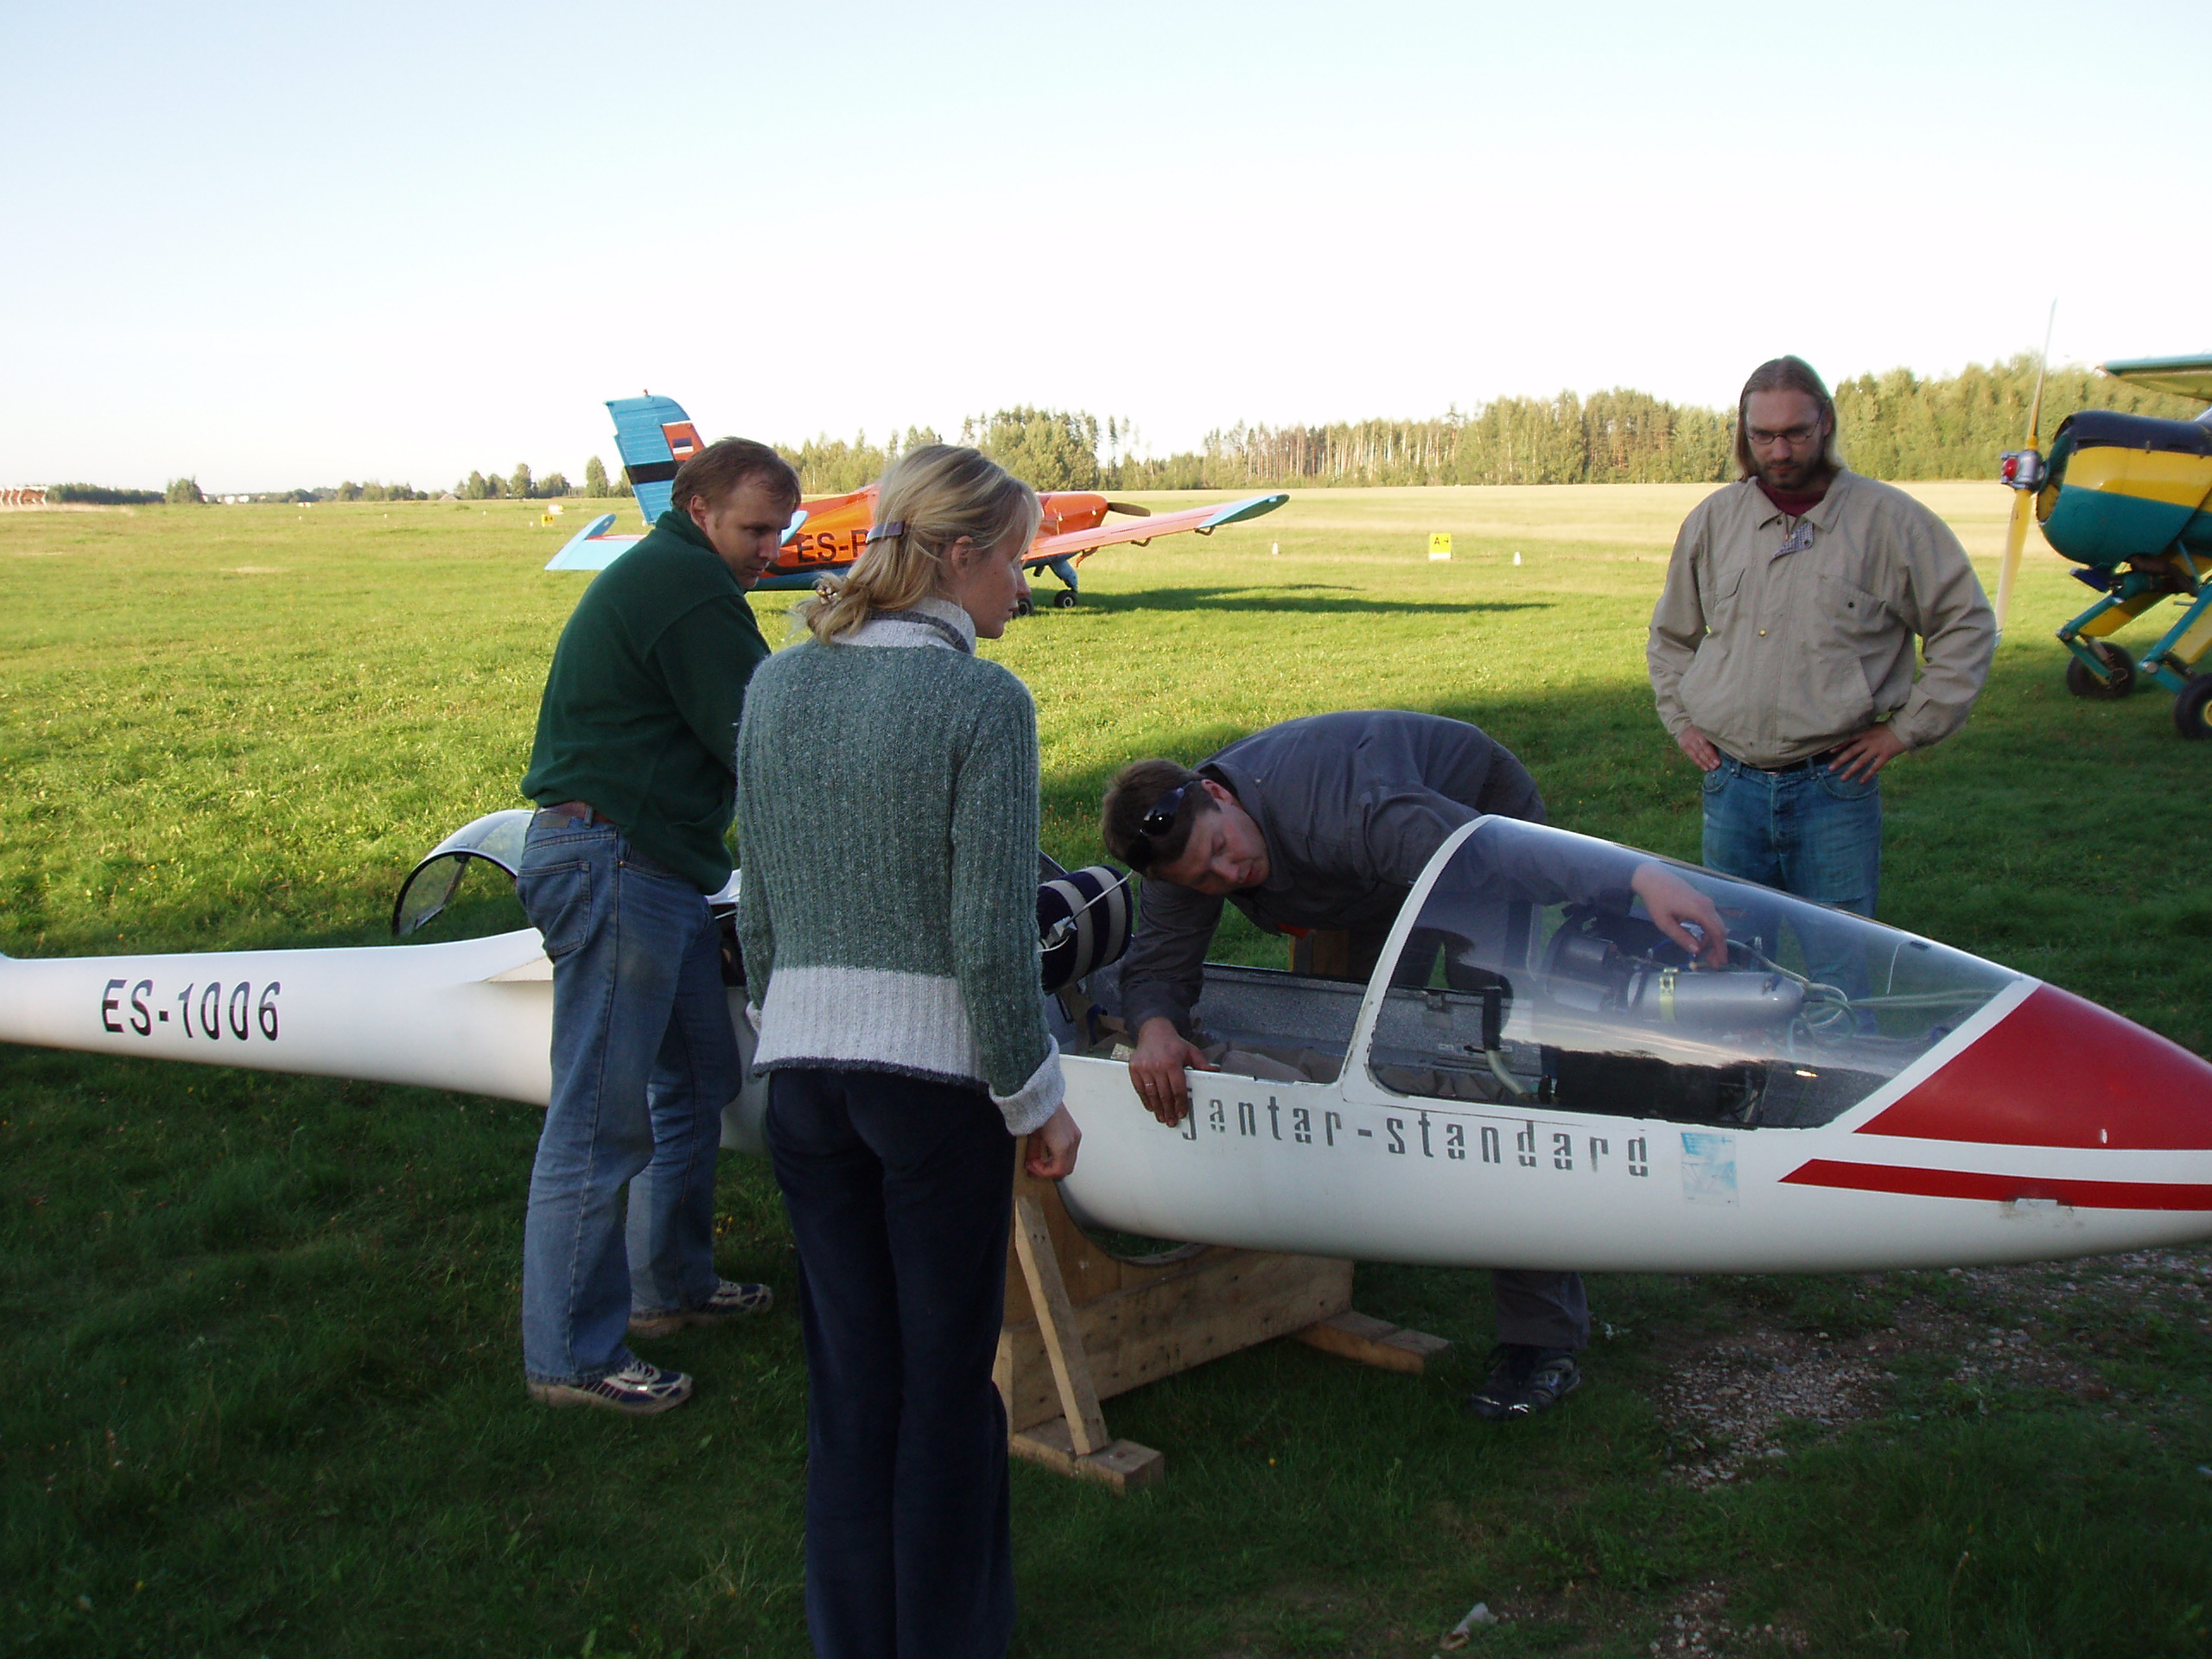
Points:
[(1439, 545)]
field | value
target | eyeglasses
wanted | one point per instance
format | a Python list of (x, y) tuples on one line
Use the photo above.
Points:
[(1157, 821), (1796, 436)]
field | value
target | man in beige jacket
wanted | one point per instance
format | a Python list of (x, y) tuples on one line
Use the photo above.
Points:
[(1781, 650)]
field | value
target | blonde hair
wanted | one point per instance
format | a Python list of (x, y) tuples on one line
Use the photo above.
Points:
[(932, 496)]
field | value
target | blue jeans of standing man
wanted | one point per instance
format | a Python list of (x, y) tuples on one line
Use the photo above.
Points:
[(900, 1193), (643, 1060), (1811, 832)]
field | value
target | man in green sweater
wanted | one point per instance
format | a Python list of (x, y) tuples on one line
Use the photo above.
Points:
[(633, 771)]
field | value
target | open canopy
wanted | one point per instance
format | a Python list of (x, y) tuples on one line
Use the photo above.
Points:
[(496, 838)]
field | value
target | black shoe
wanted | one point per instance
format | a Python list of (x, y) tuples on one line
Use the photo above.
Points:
[(1524, 1381)]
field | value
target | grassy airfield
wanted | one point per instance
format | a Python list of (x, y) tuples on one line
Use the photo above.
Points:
[(264, 1380)]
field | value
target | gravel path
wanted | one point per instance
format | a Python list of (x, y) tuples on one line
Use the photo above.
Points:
[(2037, 1326)]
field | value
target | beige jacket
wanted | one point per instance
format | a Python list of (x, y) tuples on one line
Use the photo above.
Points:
[(1780, 638)]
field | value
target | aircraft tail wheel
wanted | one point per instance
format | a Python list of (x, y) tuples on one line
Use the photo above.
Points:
[(1023, 608), (2193, 708), (1065, 599), (2118, 666)]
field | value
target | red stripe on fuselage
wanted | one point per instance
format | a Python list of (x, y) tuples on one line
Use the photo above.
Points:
[(2058, 1072), (1970, 1184)]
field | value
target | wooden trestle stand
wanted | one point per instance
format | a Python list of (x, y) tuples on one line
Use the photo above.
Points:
[(1081, 1326)]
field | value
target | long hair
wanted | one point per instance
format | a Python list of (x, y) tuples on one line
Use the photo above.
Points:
[(1784, 374), (933, 496)]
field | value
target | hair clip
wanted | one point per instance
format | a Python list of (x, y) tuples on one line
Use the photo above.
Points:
[(885, 533)]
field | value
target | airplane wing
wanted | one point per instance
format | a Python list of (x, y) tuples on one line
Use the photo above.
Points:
[(2191, 376), (592, 548), (1076, 543)]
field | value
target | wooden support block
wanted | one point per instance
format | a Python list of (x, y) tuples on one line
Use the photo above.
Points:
[(1122, 1464), (1170, 1319), (1079, 1413), (1374, 1342), (1081, 1326)]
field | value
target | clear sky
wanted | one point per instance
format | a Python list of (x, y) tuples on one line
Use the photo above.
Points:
[(274, 245)]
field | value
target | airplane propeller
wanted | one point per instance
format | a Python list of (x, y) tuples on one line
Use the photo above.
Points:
[(2022, 471)]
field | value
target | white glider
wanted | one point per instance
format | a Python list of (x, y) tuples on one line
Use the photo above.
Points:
[(1534, 1077)]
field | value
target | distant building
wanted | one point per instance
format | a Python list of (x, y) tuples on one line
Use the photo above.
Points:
[(26, 495)]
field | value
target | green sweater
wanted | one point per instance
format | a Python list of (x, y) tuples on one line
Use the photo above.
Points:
[(640, 712), (888, 808)]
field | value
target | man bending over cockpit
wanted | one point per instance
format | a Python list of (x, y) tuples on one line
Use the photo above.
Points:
[(1324, 823)]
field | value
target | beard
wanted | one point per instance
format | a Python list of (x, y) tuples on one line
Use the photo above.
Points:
[(1794, 475)]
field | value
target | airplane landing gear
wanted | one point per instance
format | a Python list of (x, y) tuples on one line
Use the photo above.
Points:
[(2119, 672), (1065, 599), (1023, 606), (2193, 708)]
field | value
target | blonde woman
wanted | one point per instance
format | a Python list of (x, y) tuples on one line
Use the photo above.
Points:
[(888, 819)]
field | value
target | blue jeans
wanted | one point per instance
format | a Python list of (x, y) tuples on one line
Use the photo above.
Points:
[(1812, 833), (643, 1058), (900, 1193)]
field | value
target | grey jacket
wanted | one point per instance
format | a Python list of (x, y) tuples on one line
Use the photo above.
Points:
[(1352, 807)]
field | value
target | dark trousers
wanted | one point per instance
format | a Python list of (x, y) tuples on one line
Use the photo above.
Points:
[(900, 1193), (1532, 1309), (1540, 1310)]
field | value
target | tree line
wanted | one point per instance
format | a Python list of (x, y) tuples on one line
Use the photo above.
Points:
[(477, 487), (1897, 425)]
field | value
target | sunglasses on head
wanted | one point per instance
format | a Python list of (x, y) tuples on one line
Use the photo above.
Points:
[(1156, 822)]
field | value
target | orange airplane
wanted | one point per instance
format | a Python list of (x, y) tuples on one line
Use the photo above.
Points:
[(656, 437)]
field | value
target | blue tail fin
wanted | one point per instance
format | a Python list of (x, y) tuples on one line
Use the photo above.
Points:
[(655, 437)]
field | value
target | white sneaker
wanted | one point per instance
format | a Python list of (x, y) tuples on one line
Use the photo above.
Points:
[(731, 1300), (636, 1390)]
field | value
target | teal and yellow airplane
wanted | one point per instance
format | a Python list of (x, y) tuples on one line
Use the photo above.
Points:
[(2128, 498)]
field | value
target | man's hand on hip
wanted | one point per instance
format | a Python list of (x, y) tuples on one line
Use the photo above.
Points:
[(1862, 757), (1696, 745), (1156, 1070)]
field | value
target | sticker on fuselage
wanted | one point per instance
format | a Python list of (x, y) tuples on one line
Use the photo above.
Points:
[(1708, 1166)]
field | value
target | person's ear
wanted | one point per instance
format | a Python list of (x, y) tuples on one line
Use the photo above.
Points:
[(1215, 792), (960, 557)]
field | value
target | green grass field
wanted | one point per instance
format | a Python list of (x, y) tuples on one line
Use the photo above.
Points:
[(264, 1391)]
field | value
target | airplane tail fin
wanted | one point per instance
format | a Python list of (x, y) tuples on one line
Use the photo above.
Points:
[(655, 437)]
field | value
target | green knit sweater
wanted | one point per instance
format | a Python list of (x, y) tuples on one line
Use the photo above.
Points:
[(886, 789)]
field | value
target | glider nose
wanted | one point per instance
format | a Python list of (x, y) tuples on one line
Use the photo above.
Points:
[(2059, 1071)]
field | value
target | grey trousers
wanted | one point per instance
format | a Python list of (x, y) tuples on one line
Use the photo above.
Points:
[(1541, 1310)]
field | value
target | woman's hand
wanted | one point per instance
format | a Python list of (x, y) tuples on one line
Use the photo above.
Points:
[(1051, 1147), (1673, 901)]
